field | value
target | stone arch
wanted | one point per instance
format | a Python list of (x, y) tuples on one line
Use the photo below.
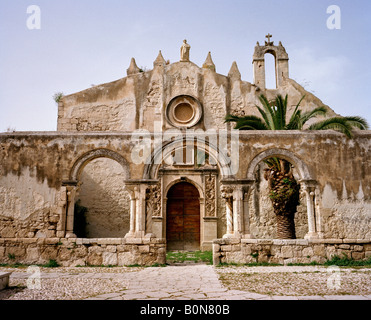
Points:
[(270, 72), (82, 161), (153, 164), (281, 63), (186, 179), (303, 169), (72, 186), (307, 180)]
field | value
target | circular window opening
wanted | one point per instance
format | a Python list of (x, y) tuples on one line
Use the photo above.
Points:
[(183, 112)]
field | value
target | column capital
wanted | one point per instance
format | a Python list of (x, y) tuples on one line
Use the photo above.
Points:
[(308, 183)]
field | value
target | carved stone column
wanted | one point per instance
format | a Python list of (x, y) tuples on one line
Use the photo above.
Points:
[(62, 211), (227, 195), (238, 227), (140, 205), (153, 207), (132, 193), (246, 212), (308, 188), (71, 195)]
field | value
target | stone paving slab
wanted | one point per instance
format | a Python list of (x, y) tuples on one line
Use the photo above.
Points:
[(195, 282)]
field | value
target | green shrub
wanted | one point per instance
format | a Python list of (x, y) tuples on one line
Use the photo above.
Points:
[(51, 264)]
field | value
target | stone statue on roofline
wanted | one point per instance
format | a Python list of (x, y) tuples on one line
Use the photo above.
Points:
[(184, 51)]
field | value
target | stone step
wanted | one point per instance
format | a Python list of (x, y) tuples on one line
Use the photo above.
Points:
[(4, 280)]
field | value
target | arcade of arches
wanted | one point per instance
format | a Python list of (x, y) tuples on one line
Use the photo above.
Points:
[(119, 152)]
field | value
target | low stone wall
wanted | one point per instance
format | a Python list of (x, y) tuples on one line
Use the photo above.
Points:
[(288, 251), (83, 252)]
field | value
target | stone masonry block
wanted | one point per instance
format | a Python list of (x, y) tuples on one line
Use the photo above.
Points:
[(358, 248), (109, 258), (358, 255), (226, 248), (287, 252), (319, 250)]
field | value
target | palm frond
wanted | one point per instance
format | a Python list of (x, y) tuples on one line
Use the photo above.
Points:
[(268, 111), (320, 111), (264, 116), (273, 163), (250, 124), (231, 118), (357, 122), (295, 120), (280, 112), (336, 123)]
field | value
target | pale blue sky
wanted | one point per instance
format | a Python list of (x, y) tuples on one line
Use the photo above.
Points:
[(85, 42)]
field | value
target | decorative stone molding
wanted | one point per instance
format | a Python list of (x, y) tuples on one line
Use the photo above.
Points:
[(210, 196), (153, 199)]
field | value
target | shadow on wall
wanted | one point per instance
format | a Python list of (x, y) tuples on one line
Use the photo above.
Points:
[(108, 204)]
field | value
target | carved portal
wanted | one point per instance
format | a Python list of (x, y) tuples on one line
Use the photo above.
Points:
[(210, 196), (153, 200)]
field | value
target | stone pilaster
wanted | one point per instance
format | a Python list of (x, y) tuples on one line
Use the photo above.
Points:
[(308, 188), (71, 195)]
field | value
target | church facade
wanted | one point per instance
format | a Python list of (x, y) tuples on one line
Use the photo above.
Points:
[(147, 164)]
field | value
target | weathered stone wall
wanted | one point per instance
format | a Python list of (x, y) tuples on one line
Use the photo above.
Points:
[(33, 166), (288, 251), (28, 207), (83, 252), (140, 100), (103, 193)]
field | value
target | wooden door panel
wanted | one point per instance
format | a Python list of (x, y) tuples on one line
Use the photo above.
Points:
[(183, 218)]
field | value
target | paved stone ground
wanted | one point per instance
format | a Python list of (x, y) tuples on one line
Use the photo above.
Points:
[(184, 282)]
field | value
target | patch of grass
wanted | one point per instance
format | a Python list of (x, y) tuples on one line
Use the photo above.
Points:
[(346, 262), (133, 265), (51, 264), (15, 265), (183, 256), (159, 265), (11, 256), (313, 263), (252, 264)]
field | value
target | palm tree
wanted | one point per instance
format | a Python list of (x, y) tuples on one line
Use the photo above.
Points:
[(283, 187)]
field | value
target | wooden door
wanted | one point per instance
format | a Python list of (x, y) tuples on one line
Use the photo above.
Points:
[(183, 217)]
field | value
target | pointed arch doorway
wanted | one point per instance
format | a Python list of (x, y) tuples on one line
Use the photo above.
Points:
[(183, 217)]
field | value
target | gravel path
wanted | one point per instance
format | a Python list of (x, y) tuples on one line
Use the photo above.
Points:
[(187, 282)]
